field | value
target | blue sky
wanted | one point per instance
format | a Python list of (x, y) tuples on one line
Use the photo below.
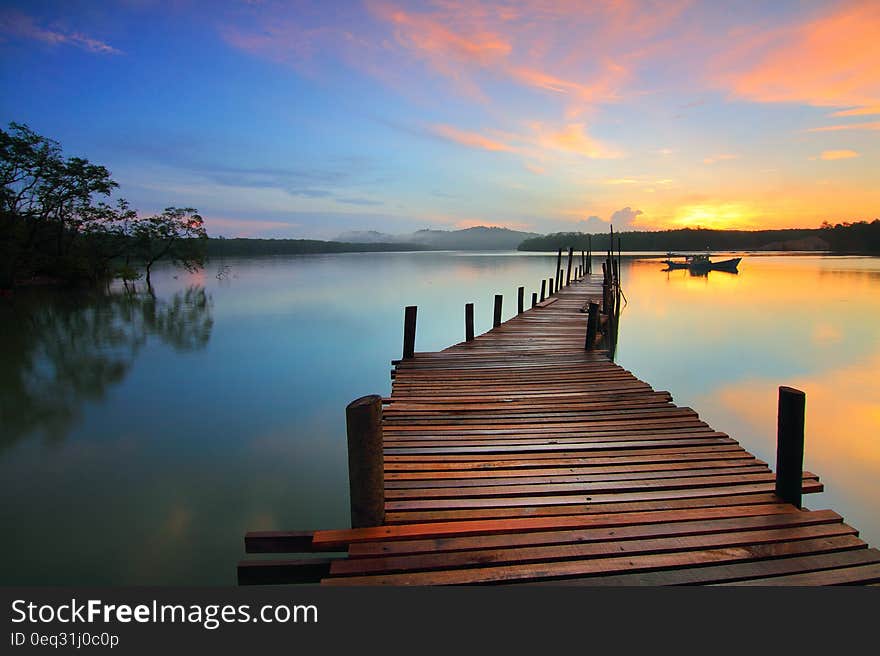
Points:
[(301, 119)]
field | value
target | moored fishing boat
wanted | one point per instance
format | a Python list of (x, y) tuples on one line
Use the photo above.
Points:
[(700, 263)]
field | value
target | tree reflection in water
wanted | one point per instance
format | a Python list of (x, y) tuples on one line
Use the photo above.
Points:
[(62, 349)]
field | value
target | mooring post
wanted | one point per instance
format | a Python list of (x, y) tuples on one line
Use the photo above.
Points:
[(550, 288), (790, 445), (534, 299), (366, 464), (618, 262), (590, 254), (568, 271), (496, 320), (409, 331), (606, 289), (616, 297), (592, 326), (558, 266), (468, 322), (543, 289), (520, 298)]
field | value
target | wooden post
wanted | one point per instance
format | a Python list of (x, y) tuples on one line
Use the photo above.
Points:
[(543, 289), (534, 299), (468, 322), (409, 331), (558, 267), (520, 297), (496, 321), (550, 288), (790, 445), (592, 326), (568, 271), (618, 261), (605, 287), (590, 254), (366, 464), (616, 283)]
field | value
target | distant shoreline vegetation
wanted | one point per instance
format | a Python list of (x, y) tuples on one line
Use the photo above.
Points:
[(858, 237)]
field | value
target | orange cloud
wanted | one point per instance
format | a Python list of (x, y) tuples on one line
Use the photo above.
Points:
[(573, 138), (838, 154), (858, 111), (470, 139), (832, 60), (873, 125)]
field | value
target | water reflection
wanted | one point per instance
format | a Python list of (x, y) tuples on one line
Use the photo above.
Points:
[(219, 407), (64, 349)]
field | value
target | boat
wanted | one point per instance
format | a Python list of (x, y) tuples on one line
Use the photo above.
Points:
[(700, 263)]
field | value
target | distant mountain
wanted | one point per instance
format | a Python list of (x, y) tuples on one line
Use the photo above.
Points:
[(479, 238), (367, 237)]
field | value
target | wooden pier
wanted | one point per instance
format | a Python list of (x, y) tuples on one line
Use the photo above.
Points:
[(526, 455)]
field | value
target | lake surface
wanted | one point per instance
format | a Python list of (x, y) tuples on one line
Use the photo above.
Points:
[(140, 438)]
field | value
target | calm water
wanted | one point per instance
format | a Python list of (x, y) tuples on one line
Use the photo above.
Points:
[(140, 438)]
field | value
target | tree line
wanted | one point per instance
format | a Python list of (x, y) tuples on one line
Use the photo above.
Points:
[(58, 220), (857, 237)]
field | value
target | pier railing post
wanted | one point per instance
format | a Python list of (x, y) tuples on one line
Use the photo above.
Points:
[(534, 299), (550, 282), (520, 299), (590, 254), (496, 319), (790, 445), (558, 272), (592, 326), (366, 464), (409, 331), (543, 289), (468, 322), (568, 270)]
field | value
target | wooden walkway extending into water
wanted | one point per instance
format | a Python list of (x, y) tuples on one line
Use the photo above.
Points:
[(522, 457)]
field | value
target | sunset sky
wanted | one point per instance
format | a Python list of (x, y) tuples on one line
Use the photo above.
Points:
[(307, 119)]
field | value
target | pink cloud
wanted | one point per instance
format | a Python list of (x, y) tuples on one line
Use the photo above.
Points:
[(470, 139), (23, 26), (537, 143), (830, 60)]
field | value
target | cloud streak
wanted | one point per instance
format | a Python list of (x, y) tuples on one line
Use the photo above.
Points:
[(838, 154), (23, 26)]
